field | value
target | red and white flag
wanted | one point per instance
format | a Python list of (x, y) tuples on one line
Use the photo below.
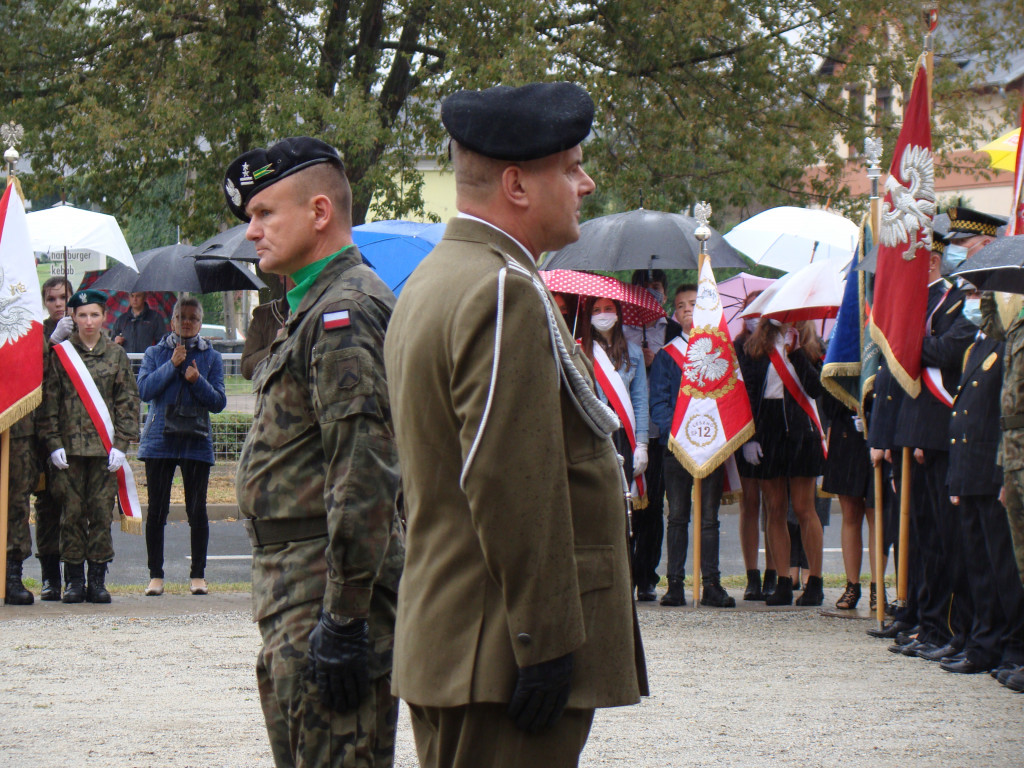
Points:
[(21, 315), (614, 389), (712, 416), (904, 243), (1016, 224)]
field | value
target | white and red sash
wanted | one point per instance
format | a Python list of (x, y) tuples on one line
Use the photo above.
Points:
[(618, 397), (676, 349), (782, 366), (97, 409), (933, 376)]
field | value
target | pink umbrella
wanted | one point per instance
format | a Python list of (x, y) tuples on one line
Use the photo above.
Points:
[(639, 307), (734, 291)]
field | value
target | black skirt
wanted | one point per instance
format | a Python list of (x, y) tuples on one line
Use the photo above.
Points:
[(790, 449), (848, 470)]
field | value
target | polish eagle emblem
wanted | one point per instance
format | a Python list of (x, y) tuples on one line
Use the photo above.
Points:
[(912, 205), (704, 363), (15, 320)]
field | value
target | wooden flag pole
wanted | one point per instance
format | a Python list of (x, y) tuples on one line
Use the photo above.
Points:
[(904, 560), (697, 503), (5, 452), (879, 543)]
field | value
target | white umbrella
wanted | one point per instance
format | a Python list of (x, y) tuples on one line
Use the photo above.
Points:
[(64, 227), (788, 238), (813, 292)]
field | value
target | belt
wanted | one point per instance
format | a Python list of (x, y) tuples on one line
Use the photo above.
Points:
[(263, 533), (1012, 422)]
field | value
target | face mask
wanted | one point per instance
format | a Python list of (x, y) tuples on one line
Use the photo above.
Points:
[(658, 295), (604, 322), (750, 324), (972, 310), (952, 258)]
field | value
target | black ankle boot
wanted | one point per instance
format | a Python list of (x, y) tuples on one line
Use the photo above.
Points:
[(753, 586), (783, 593), (714, 594), (814, 593), (16, 592), (771, 580), (676, 594), (96, 592), (50, 566), (74, 583)]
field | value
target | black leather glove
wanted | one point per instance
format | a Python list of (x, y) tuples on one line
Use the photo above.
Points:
[(339, 662), (541, 693)]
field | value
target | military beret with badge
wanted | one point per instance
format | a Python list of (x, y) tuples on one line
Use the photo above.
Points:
[(519, 124), (257, 169), (86, 296)]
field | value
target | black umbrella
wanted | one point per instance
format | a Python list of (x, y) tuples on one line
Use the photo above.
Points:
[(642, 239), (173, 268), (229, 244), (999, 266)]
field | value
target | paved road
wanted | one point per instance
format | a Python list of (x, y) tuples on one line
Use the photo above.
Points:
[(229, 552)]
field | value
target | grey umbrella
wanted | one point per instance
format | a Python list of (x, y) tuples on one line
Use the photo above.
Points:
[(642, 239), (173, 268), (229, 244), (999, 266)]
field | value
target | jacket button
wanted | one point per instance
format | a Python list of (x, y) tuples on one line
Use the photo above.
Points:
[(965, 412), (524, 638), (974, 383), (888, 397), (954, 413), (952, 441)]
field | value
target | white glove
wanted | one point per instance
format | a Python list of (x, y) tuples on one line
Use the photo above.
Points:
[(752, 452), (63, 330), (116, 460), (59, 459), (639, 459), (858, 424)]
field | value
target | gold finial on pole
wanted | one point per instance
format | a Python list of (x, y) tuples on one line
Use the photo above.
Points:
[(12, 134)]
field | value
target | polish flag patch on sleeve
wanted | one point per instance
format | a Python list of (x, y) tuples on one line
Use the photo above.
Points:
[(334, 320)]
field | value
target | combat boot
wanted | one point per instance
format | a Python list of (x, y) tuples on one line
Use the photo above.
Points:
[(74, 583), (676, 594), (50, 566), (813, 593), (783, 592), (97, 592), (16, 592), (714, 594)]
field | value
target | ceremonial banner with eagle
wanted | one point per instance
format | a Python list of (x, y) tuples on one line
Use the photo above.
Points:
[(21, 315), (712, 416), (904, 244)]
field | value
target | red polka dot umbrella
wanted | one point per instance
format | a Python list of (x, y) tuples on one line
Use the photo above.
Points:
[(639, 307)]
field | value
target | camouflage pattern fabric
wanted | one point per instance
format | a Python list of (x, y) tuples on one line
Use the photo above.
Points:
[(24, 476), (87, 490), (47, 519), (1013, 481), (303, 733)]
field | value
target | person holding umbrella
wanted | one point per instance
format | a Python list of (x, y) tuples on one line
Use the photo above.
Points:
[(140, 327)]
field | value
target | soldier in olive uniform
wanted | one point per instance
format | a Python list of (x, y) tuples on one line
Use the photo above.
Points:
[(318, 478), (86, 484)]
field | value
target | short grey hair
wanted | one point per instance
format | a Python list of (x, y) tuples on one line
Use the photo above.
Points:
[(187, 301)]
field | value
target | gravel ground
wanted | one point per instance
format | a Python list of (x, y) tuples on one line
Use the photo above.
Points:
[(170, 682)]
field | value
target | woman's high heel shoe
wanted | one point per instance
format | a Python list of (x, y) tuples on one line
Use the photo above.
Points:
[(851, 597)]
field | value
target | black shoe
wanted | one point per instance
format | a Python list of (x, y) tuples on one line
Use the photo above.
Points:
[(851, 597), (676, 594), (890, 630), (916, 648), (753, 591), (74, 583), (905, 637), (1006, 666), (814, 594), (716, 596), (964, 667), (770, 582), (783, 594), (16, 592), (907, 649), (97, 592), (940, 653), (50, 567), (1014, 680), (959, 656), (646, 595)]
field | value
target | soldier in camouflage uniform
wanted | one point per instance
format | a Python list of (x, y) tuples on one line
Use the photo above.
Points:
[(87, 485), (318, 476)]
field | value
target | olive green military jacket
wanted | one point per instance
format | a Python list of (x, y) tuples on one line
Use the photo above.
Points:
[(64, 422), (321, 446), (528, 561), (1011, 449)]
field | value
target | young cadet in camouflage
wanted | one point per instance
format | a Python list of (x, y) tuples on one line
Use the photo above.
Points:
[(87, 485), (318, 477)]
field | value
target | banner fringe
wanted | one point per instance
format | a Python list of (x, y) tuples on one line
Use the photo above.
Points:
[(21, 408), (723, 453), (910, 385), (832, 370), (131, 525)]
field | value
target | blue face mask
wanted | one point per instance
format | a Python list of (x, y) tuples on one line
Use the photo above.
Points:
[(972, 310), (952, 258)]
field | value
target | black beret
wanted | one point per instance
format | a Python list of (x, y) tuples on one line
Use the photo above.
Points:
[(519, 124), (87, 296), (257, 169), (965, 222)]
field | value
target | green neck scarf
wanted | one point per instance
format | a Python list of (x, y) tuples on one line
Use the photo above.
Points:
[(306, 276)]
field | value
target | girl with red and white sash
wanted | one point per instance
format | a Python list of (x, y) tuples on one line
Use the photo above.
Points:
[(781, 368), (622, 383)]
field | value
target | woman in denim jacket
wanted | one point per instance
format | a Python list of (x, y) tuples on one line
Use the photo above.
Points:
[(182, 369)]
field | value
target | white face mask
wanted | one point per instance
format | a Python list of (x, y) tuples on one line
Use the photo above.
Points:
[(604, 322)]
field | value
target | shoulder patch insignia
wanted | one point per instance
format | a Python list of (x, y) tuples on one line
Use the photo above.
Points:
[(989, 361), (334, 320)]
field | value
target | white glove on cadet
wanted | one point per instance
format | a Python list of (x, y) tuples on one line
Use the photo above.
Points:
[(115, 460), (752, 452), (59, 459), (639, 459), (63, 330), (858, 424)]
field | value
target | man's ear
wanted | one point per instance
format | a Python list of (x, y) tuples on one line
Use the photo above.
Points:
[(323, 211), (513, 186)]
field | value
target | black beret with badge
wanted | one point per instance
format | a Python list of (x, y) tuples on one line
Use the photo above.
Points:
[(966, 222), (519, 124), (87, 296), (257, 169)]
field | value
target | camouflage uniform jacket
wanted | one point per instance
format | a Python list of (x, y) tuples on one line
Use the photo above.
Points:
[(64, 422), (322, 445), (1011, 450)]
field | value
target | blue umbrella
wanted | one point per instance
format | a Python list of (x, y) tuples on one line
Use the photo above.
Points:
[(394, 248)]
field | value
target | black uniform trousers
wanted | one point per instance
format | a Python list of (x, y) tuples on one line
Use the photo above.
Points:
[(910, 612), (997, 630), (649, 523)]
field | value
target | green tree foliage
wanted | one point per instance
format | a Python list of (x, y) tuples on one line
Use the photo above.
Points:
[(138, 105)]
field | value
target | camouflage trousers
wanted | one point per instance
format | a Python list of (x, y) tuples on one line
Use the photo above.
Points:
[(1013, 481), (303, 733), (24, 478), (87, 492)]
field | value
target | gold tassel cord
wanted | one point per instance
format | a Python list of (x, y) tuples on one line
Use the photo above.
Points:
[(131, 525), (21, 408)]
